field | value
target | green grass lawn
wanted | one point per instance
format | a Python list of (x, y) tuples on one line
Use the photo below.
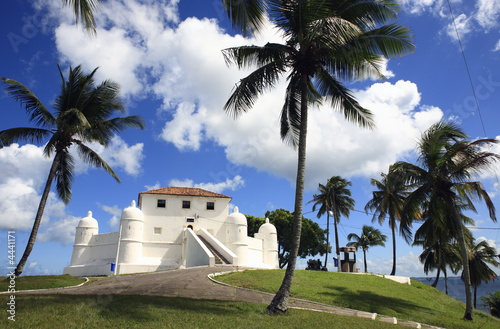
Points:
[(418, 302), (121, 311), (40, 282)]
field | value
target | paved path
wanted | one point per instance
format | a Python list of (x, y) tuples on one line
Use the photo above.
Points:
[(195, 283)]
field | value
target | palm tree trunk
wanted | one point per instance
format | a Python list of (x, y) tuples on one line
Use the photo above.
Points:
[(475, 294), (393, 272), (339, 268), (38, 217), (445, 281), (279, 304), (364, 260), (465, 263), (327, 236), (434, 284)]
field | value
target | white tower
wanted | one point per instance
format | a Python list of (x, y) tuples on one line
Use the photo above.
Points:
[(236, 235), (131, 226), (85, 229), (269, 235)]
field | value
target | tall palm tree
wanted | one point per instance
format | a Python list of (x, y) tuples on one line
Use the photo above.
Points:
[(334, 199), (325, 42), (480, 255), (83, 113), (387, 202), (370, 237), (444, 183)]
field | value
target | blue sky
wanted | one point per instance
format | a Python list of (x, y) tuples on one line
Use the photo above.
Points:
[(166, 56)]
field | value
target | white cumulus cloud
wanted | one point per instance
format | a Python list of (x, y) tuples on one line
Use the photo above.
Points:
[(229, 184)]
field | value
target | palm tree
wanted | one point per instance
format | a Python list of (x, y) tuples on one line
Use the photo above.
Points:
[(480, 255), (82, 114), (439, 246), (388, 201), (325, 42), (370, 237), (493, 301), (333, 199), (444, 185)]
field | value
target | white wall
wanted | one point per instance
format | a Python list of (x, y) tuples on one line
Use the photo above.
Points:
[(196, 252)]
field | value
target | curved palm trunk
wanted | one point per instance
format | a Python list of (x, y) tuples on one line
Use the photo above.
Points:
[(327, 236), (465, 264), (339, 268), (364, 260), (279, 304), (393, 272), (38, 217), (434, 284)]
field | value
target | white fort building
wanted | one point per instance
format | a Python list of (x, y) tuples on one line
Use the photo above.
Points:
[(173, 227)]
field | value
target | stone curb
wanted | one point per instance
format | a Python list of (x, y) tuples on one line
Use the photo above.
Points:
[(341, 310)]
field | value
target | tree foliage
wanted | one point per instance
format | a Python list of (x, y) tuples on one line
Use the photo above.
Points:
[(83, 113), (370, 237), (445, 184), (493, 302), (312, 241), (326, 43)]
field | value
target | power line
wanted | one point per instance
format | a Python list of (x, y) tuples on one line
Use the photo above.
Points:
[(467, 68)]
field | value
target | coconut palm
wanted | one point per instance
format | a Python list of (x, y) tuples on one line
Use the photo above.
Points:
[(439, 246), (493, 302), (370, 237), (444, 183), (325, 42), (480, 255), (83, 113), (387, 203), (334, 199)]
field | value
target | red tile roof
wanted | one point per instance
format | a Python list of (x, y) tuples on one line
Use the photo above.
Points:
[(185, 191)]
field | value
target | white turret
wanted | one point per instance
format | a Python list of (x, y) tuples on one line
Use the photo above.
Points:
[(85, 229), (269, 236), (236, 238), (131, 226)]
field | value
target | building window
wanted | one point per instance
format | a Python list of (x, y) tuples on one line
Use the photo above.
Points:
[(190, 220), (157, 230), (210, 205), (161, 203), (186, 204)]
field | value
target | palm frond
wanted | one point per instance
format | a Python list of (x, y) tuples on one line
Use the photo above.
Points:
[(28, 134), (84, 11), (90, 157), (249, 88), (37, 112), (342, 100), (246, 15), (64, 176)]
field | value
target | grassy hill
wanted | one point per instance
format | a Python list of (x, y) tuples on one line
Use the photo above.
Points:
[(418, 302)]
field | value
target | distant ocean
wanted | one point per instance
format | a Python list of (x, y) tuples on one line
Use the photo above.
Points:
[(456, 289)]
